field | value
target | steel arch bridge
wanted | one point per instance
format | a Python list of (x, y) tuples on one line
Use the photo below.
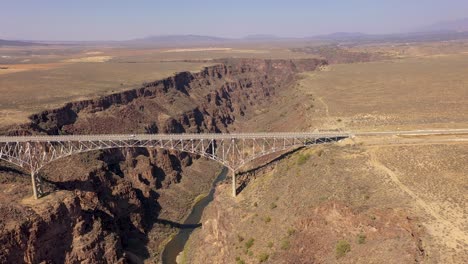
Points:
[(32, 153)]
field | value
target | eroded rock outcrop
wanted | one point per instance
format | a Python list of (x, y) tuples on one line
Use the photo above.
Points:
[(111, 202)]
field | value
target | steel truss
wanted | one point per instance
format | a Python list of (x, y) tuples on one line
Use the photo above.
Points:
[(231, 150)]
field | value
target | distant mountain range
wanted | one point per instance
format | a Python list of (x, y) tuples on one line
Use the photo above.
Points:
[(179, 38), (4, 42), (459, 25), (448, 30), (338, 37)]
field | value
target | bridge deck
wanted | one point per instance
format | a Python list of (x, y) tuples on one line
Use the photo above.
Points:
[(231, 150), (216, 136)]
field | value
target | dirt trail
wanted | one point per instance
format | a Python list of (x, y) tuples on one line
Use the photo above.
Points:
[(325, 106), (445, 231), (329, 122)]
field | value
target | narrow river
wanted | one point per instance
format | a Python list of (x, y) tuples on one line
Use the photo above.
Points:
[(176, 245)]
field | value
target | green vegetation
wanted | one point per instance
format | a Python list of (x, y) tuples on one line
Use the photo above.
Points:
[(263, 257), (267, 219), (270, 244), (291, 231), (239, 261), (342, 247), (249, 243), (199, 198), (273, 206), (323, 198), (320, 153), (302, 158), (361, 238), (285, 244), (240, 238)]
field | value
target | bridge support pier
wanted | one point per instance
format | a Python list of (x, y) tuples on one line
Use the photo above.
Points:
[(234, 186), (36, 184)]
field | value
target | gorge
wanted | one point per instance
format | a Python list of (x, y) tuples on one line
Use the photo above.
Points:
[(122, 205)]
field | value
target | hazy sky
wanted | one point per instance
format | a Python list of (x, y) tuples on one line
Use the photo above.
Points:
[(126, 19)]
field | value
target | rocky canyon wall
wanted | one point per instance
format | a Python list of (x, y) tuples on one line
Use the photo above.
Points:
[(109, 205)]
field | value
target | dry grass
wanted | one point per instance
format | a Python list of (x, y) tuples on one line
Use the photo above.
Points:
[(14, 68), (434, 177), (197, 49), (43, 77), (24, 93), (421, 184), (403, 94), (91, 59)]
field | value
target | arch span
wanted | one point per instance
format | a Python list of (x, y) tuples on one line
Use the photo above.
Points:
[(231, 150)]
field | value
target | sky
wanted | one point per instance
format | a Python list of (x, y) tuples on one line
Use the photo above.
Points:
[(126, 19)]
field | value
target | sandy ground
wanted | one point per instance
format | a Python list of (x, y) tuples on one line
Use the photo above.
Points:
[(13, 68), (91, 59)]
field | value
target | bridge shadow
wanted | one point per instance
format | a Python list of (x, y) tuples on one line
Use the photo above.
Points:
[(12, 168), (246, 176), (178, 225)]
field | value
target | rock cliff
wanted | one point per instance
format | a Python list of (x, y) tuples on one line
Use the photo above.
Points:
[(120, 205)]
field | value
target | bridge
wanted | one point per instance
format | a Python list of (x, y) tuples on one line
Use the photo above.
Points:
[(32, 153)]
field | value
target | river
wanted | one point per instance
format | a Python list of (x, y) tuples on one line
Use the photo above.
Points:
[(176, 245)]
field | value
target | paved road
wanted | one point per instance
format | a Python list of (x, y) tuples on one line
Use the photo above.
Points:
[(209, 136), (414, 132)]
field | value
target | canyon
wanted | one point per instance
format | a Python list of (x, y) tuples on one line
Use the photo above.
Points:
[(121, 206)]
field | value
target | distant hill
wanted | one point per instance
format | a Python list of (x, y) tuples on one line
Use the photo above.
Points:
[(261, 37), (4, 42), (343, 37), (340, 36), (459, 25), (179, 40)]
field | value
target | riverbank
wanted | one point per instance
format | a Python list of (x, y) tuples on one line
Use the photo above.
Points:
[(176, 245)]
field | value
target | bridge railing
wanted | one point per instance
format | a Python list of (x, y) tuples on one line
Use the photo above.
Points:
[(48, 138)]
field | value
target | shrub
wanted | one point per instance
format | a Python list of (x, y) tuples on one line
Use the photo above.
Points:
[(267, 219), (320, 153), (239, 261), (291, 231), (249, 243), (270, 244), (240, 238), (302, 159), (342, 247), (361, 238), (263, 257), (273, 206), (285, 245)]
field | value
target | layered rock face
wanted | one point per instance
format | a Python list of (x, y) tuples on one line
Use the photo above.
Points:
[(109, 206)]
